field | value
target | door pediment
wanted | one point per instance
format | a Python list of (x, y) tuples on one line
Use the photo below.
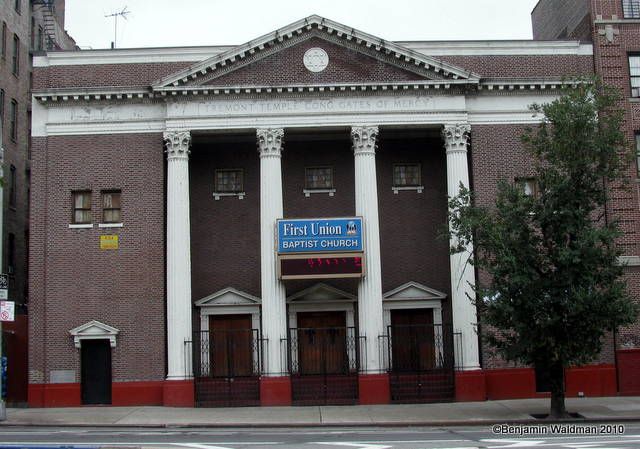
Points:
[(94, 330), (412, 291), (228, 297), (339, 55), (321, 293)]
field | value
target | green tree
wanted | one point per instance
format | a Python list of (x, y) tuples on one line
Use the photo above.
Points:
[(555, 285)]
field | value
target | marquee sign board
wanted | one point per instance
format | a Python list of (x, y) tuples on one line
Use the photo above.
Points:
[(321, 266), (320, 235)]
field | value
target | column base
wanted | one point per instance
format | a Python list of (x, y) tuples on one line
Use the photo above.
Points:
[(374, 389), (470, 386), (275, 391), (178, 393)]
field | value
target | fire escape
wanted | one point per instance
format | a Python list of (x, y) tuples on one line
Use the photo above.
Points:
[(47, 8)]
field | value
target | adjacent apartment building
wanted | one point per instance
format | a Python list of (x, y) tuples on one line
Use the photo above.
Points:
[(28, 27), (259, 224)]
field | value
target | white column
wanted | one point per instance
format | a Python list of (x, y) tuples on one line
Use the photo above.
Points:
[(370, 287), (465, 318), (274, 316), (178, 255)]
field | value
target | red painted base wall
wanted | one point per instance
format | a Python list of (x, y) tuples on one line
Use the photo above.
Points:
[(629, 371), (374, 389), (514, 383), (275, 391), (520, 383)]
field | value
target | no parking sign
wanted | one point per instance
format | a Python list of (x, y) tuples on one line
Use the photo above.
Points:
[(7, 311)]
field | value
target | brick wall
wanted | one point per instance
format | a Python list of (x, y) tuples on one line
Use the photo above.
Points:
[(561, 19), (103, 75), (72, 280), (523, 66), (225, 234)]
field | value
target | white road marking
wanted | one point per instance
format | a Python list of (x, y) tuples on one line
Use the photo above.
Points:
[(199, 446), (514, 443), (357, 445)]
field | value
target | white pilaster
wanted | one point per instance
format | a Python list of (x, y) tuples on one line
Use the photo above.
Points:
[(274, 316), (178, 255), (370, 287), (465, 319)]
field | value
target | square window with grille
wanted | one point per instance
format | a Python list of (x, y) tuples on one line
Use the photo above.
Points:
[(407, 175), (631, 9), (229, 181), (111, 207), (634, 75), (318, 178), (81, 207)]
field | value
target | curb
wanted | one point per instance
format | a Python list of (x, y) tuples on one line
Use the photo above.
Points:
[(451, 423)]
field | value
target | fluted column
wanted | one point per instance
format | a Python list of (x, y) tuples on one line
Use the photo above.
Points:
[(465, 319), (178, 255), (370, 287), (274, 316)]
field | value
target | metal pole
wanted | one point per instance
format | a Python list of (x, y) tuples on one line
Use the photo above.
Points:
[(3, 409)]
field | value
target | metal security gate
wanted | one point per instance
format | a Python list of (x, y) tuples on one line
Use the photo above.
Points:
[(421, 363), (323, 363), (227, 365)]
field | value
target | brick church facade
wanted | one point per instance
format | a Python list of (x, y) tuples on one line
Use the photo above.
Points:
[(260, 224)]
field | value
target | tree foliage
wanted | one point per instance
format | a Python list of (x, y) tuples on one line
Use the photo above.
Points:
[(555, 285)]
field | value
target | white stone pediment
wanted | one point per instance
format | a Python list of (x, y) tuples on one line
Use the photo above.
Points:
[(228, 297), (94, 330), (412, 291), (313, 26), (321, 293)]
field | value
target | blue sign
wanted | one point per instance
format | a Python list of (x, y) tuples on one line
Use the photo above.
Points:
[(320, 235)]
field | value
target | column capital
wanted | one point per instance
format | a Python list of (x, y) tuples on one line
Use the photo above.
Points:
[(456, 137), (364, 139), (177, 144), (270, 141)]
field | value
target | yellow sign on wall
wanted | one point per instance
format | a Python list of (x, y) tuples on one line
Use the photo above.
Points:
[(109, 242)]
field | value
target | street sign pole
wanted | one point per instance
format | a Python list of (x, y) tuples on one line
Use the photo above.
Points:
[(3, 409)]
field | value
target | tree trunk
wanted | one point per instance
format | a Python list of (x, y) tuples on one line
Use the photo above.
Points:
[(556, 381)]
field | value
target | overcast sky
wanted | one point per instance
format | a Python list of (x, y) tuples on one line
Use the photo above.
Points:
[(160, 23)]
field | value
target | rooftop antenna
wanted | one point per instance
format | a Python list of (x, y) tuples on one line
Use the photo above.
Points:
[(115, 16)]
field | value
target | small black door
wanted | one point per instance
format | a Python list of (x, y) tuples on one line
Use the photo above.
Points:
[(96, 372)]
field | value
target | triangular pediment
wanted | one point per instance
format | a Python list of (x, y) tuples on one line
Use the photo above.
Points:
[(321, 293), (278, 59), (94, 330), (412, 291), (228, 297)]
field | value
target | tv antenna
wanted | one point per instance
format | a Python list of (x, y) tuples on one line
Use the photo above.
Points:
[(115, 16)]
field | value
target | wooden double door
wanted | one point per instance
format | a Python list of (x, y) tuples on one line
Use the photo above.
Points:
[(324, 371), (231, 345), (227, 363), (322, 343)]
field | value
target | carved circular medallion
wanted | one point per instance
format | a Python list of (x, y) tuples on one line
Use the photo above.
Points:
[(316, 59)]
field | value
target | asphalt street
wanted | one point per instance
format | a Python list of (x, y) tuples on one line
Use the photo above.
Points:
[(325, 438)]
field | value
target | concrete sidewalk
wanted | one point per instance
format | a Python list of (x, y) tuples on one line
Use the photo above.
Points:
[(613, 409)]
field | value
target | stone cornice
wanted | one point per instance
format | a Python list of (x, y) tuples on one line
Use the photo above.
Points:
[(486, 85)]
